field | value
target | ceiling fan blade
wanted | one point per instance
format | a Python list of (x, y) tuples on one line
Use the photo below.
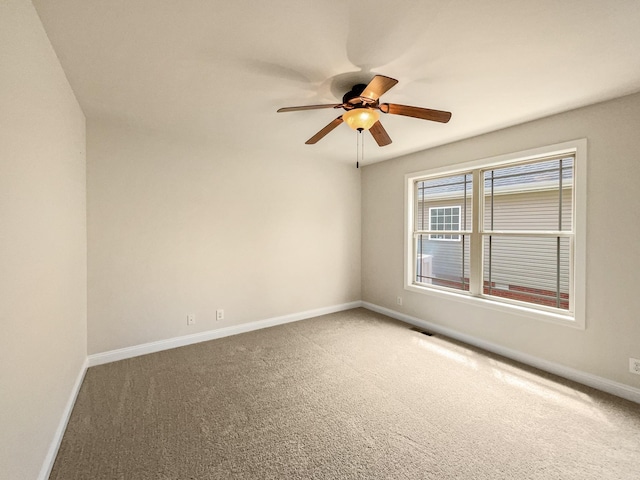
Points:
[(318, 136), (416, 112), (379, 134), (309, 107), (379, 85)]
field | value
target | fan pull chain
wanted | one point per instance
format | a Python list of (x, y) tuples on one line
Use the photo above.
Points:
[(359, 147)]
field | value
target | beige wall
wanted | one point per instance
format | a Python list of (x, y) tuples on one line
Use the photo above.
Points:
[(42, 242), (179, 226), (613, 258)]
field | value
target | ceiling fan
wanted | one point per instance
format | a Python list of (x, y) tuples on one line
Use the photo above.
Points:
[(361, 107)]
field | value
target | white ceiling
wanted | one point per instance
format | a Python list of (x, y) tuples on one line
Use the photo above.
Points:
[(218, 70)]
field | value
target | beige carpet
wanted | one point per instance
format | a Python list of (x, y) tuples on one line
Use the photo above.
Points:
[(352, 395)]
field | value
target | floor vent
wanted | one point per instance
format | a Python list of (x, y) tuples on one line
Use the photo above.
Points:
[(423, 332)]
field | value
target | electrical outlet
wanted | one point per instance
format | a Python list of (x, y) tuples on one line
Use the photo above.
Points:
[(219, 314), (399, 301), (634, 366), (191, 319)]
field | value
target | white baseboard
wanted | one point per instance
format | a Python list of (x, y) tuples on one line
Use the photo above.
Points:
[(49, 460), (619, 389), (152, 347)]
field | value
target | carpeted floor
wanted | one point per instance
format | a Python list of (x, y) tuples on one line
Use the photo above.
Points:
[(352, 395)]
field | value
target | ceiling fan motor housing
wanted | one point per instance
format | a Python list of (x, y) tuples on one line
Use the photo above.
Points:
[(355, 92)]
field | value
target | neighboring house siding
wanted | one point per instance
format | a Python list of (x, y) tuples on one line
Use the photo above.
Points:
[(535, 271), (513, 211), (538, 269)]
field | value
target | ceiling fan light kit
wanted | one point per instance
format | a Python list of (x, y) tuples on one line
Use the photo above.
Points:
[(361, 110), (361, 118)]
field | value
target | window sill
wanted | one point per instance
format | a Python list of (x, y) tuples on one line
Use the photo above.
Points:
[(503, 307)]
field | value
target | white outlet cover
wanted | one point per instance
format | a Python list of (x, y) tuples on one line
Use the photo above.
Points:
[(634, 366)]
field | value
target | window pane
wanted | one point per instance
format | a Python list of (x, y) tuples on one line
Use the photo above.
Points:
[(533, 196), (528, 269), (440, 221), (443, 263), (436, 196)]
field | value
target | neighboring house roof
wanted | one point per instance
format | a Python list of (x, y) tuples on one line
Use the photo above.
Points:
[(512, 179)]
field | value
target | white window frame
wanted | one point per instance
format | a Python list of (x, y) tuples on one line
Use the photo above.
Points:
[(457, 236), (575, 316)]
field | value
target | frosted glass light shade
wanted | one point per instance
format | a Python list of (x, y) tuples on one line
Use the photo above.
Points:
[(361, 118)]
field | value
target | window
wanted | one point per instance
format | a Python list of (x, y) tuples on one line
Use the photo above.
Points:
[(444, 218), (507, 231)]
